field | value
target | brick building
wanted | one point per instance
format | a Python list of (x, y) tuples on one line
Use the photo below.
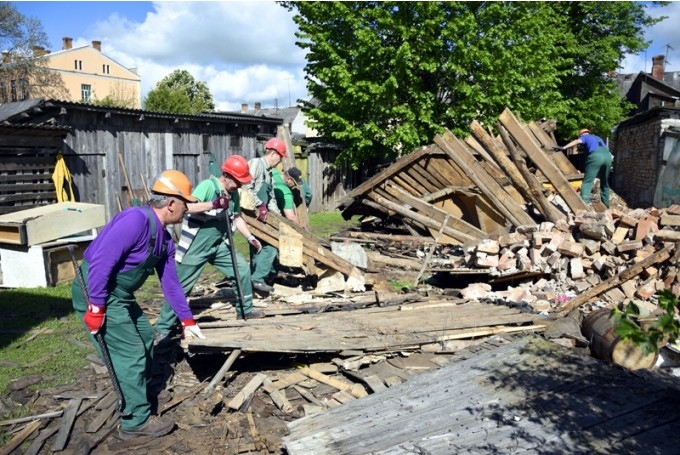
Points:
[(646, 150)]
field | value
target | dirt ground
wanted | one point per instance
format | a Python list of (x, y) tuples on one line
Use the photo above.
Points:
[(204, 423)]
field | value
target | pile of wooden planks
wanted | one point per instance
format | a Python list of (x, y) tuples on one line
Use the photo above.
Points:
[(463, 191)]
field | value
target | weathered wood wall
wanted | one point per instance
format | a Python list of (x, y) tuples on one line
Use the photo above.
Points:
[(148, 145), (329, 182), (27, 161)]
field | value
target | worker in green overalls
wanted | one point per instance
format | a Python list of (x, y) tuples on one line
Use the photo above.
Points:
[(262, 261), (203, 239), (130, 248), (284, 183)]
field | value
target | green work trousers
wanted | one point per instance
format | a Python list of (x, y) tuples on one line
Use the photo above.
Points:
[(128, 336), (188, 272), (598, 165), (262, 264)]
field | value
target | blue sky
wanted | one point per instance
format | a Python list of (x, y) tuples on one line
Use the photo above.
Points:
[(244, 51)]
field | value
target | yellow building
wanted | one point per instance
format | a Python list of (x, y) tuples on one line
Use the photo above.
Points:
[(88, 75)]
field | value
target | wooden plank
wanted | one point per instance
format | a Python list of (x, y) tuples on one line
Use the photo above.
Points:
[(438, 214), (489, 187), (387, 173), (19, 438), (291, 247), (547, 167), (66, 424), (38, 442), (533, 186), (247, 392), (311, 243), (407, 182), (460, 236), (222, 371), (616, 280)]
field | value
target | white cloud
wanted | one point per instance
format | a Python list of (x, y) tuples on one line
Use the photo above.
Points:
[(663, 33), (244, 51)]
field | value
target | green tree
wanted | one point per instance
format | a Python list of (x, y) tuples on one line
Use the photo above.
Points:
[(179, 92), (23, 42), (388, 76)]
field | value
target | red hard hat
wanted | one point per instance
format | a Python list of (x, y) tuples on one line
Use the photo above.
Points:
[(237, 167), (276, 144)]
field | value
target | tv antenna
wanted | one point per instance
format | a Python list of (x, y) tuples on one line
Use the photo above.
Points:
[(668, 46)]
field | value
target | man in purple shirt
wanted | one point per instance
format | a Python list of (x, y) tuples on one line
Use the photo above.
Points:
[(132, 246), (598, 164)]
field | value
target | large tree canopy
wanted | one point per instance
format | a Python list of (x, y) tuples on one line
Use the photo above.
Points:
[(179, 92), (22, 39), (385, 77)]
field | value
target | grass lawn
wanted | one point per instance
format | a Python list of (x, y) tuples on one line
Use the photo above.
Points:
[(40, 334)]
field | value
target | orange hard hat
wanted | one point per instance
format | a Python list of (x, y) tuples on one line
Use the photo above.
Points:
[(583, 131), (276, 144), (173, 183), (237, 167)]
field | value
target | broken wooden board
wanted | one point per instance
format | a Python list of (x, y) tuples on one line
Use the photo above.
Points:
[(541, 160), (269, 232), (530, 396), (368, 329)]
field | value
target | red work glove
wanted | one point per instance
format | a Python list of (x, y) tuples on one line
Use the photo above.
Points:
[(262, 212), (190, 329), (254, 242), (94, 317), (222, 202)]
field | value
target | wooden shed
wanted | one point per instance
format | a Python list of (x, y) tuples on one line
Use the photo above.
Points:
[(109, 150), (27, 160)]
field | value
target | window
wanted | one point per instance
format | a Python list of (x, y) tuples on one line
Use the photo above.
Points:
[(105, 69), (78, 64), (23, 89), (13, 89), (86, 93), (3, 91)]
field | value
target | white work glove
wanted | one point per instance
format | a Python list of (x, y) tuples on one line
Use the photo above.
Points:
[(254, 242), (190, 330)]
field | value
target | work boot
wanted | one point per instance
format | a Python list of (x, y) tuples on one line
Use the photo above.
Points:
[(155, 426), (252, 315), (262, 287)]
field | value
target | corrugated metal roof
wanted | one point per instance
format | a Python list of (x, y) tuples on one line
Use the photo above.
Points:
[(19, 112), (8, 110)]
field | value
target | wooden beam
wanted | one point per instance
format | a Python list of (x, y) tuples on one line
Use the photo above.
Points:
[(487, 185), (540, 159), (535, 188), (269, 233), (387, 173), (616, 280)]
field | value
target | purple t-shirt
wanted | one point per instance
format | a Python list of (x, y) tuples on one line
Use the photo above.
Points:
[(592, 142), (123, 245)]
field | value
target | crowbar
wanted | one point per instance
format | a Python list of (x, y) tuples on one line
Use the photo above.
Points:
[(99, 337), (232, 249)]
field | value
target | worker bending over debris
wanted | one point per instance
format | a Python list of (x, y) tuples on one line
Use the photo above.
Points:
[(262, 187), (133, 245), (284, 183), (598, 164), (203, 236)]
